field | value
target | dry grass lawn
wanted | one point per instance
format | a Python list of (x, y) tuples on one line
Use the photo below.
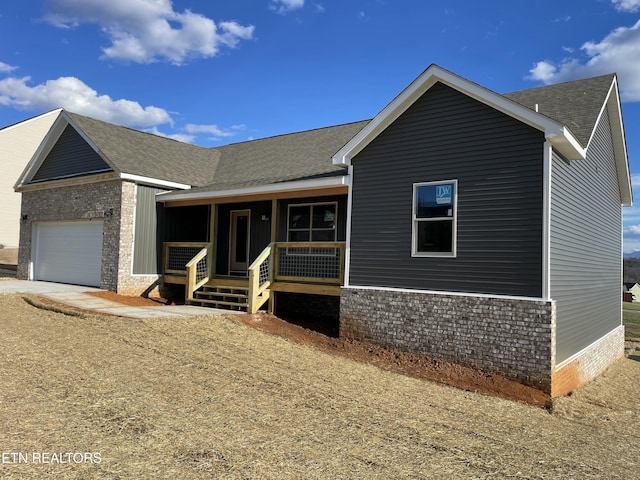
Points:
[(208, 397)]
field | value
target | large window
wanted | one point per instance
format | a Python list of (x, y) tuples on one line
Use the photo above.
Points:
[(434, 219), (312, 222)]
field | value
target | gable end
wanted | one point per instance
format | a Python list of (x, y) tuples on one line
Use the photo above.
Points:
[(71, 156)]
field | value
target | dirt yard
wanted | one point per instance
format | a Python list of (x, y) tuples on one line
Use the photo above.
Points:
[(210, 397)]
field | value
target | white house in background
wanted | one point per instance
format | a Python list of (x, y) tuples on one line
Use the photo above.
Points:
[(18, 143)]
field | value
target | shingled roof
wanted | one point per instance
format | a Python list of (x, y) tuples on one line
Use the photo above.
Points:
[(576, 104), (147, 155), (295, 156), (302, 155)]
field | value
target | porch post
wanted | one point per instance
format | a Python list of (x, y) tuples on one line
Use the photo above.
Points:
[(274, 219), (213, 239), (272, 263)]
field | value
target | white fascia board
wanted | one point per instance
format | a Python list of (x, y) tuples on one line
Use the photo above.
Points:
[(619, 145), (154, 181), (564, 142), (29, 120), (613, 108), (49, 141), (301, 185), (554, 131)]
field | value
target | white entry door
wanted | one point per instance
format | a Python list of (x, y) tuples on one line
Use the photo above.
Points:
[(68, 252)]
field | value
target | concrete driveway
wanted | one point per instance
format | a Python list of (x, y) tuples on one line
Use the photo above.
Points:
[(76, 296)]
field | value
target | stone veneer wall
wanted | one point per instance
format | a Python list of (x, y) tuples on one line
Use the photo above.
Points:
[(513, 337), (75, 202), (129, 284), (112, 201)]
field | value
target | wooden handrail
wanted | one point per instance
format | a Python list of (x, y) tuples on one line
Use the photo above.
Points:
[(257, 291), (192, 282), (262, 257), (311, 244)]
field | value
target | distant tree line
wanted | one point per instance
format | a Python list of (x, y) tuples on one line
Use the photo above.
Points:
[(631, 270)]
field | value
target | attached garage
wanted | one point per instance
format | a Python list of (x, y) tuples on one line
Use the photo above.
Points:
[(68, 252)]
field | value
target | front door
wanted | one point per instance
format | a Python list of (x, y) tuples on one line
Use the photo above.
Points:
[(239, 242)]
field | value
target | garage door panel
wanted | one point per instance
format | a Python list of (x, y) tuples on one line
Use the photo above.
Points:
[(68, 252)]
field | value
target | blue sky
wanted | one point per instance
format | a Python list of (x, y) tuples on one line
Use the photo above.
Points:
[(213, 73)]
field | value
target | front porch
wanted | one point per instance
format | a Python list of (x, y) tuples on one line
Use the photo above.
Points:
[(315, 268)]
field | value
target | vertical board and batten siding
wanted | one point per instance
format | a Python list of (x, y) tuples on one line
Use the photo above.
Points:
[(586, 238), (146, 250), (498, 162), (71, 156)]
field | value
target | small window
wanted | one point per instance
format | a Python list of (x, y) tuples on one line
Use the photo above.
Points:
[(312, 222), (434, 219)]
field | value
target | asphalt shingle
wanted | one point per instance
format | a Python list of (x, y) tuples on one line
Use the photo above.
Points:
[(575, 104), (307, 154)]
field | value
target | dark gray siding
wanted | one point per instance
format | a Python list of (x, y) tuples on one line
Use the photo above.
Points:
[(184, 224), (70, 156), (146, 247), (498, 162), (260, 232), (586, 238)]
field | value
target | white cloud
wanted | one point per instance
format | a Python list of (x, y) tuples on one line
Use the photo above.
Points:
[(76, 96), (146, 31), (631, 6), (214, 130), (284, 6), (180, 137), (5, 68), (618, 52)]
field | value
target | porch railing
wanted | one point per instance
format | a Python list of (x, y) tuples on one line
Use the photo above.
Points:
[(199, 270), (297, 262), (191, 262), (260, 278), (312, 263)]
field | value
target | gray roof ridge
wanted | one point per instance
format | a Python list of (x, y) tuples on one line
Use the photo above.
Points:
[(309, 130), (136, 130)]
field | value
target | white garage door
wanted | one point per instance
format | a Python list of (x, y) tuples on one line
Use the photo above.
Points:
[(68, 252)]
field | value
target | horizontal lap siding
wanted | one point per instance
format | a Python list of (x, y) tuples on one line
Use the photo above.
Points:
[(497, 161), (70, 156), (586, 245)]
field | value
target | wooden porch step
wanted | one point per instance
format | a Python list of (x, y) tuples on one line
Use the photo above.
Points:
[(220, 304), (207, 294), (230, 297)]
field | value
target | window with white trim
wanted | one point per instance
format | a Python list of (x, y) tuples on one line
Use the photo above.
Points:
[(434, 219), (313, 222)]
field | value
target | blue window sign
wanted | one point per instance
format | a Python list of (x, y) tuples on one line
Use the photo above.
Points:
[(444, 194)]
